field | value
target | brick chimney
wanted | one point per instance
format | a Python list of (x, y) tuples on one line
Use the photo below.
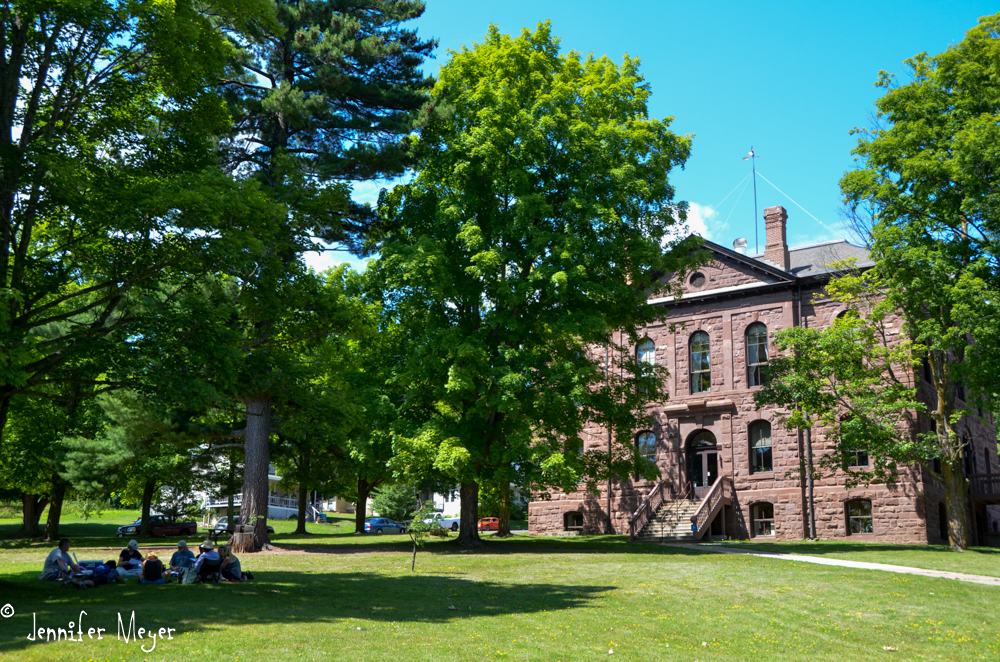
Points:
[(776, 248)]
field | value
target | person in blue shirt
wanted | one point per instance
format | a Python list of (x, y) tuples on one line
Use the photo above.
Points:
[(106, 573), (182, 558)]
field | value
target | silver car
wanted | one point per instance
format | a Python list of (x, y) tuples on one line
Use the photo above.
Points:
[(222, 524), (383, 525)]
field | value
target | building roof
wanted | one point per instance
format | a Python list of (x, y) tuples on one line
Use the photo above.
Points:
[(814, 258)]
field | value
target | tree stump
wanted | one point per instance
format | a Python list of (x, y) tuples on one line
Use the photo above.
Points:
[(242, 542)]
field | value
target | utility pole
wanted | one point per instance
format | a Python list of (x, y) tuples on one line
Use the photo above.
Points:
[(609, 529)]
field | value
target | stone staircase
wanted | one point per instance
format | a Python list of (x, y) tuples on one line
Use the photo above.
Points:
[(672, 522)]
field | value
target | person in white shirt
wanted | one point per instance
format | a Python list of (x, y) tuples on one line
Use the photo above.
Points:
[(58, 564)]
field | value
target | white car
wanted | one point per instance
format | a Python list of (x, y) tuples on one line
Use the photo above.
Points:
[(444, 522)]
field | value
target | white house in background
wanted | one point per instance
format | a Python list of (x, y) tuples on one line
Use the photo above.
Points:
[(280, 504), (449, 503)]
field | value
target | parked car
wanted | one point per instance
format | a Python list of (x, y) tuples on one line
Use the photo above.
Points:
[(444, 522), (489, 524), (160, 525), (223, 522), (383, 525)]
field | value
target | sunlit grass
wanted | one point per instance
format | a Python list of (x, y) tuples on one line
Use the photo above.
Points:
[(334, 595)]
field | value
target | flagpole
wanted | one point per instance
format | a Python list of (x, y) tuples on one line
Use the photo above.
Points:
[(753, 166)]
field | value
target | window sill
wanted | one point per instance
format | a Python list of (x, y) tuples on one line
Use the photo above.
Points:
[(762, 475)]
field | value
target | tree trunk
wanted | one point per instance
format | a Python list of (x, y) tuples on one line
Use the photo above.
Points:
[(230, 484), (810, 491), (230, 523), (954, 499), (503, 530), (364, 489), (301, 526), (147, 504), (468, 534), (55, 508), (31, 511), (257, 458)]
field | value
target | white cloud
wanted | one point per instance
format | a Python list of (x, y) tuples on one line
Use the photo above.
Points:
[(702, 220)]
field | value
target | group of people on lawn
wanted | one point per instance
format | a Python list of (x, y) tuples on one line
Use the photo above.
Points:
[(149, 569)]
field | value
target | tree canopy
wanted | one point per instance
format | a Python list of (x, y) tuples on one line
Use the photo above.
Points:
[(535, 228)]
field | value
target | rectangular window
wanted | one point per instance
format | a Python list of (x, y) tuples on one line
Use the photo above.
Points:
[(858, 459), (859, 517), (762, 515)]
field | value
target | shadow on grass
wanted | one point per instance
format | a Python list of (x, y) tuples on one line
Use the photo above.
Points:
[(491, 545), (288, 598)]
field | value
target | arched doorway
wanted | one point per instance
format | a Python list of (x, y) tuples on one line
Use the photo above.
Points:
[(704, 461)]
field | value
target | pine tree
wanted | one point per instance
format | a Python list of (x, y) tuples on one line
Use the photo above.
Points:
[(324, 100)]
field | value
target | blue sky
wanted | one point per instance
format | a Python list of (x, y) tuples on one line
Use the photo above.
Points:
[(789, 78)]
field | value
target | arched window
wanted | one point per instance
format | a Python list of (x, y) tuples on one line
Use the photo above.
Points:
[(645, 442), (859, 517), (762, 519), (701, 365), (760, 447), (645, 353), (756, 353)]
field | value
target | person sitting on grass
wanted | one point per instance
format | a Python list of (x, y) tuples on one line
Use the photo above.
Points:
[(230, 564), (152, 570), (106, 573), (208, 553), (58, 564), (182, 558), (130, 560)]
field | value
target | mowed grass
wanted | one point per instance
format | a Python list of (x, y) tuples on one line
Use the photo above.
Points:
[(974, 561), (334, 595)]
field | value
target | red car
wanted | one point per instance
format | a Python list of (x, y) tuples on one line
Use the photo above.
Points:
[(489, 524)]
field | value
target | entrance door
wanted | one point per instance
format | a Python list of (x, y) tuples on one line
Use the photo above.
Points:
[(704, 462), (705, 471)]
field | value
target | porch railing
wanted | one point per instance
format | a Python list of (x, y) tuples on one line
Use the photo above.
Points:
[(721, 490), (280, 502), (984, 485), (646, 510)]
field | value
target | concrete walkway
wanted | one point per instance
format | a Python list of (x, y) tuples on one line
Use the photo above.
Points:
[(902, 569)]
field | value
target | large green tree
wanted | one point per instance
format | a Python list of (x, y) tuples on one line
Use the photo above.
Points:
[(319, 101), (534, 230), (106, 127), (927, 197)]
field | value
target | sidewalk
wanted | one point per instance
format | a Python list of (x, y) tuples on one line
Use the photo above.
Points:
[(902, 569)]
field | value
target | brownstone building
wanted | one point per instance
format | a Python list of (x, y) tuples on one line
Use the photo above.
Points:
[(734, 468)]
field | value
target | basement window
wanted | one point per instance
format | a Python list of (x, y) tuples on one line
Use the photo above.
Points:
[(859, 517), (762, 519), (573, 521)]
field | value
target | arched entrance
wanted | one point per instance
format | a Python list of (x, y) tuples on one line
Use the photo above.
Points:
[(704, 462)]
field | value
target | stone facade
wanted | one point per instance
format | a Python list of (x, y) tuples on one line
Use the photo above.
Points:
[(723, 299)]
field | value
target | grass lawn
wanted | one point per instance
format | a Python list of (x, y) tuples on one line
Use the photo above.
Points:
[(974, 561), (337, 596)]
